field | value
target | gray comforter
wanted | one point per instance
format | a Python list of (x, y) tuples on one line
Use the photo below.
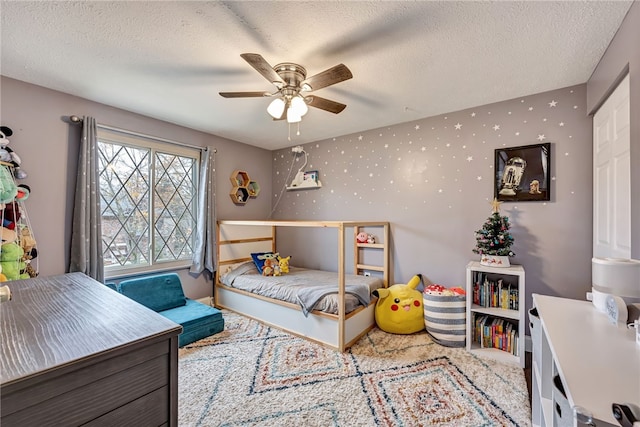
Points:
[(311, 289)]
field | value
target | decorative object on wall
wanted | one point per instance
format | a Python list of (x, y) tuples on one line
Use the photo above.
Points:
[(243, 188), (293, 87), (522, 173), (304, 180), (493, 240)]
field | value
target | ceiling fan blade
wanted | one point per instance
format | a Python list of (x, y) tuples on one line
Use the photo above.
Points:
[(244, 94), (262, 66), (325, 104), (329, 77)]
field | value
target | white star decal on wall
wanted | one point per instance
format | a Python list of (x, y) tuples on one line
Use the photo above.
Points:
[(553, 103), (470, 158), (530, 108), (360, 138), (496, 127), (417, 127), (458, 126), (479, 178), (541, 137), (517, 133), (473, 114), (561, 124)]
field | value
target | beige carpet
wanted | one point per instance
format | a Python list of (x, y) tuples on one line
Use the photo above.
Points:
[(253, 375)]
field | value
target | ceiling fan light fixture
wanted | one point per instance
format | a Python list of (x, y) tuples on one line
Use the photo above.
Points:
[(293, 116), (299, 106), (276, 108)]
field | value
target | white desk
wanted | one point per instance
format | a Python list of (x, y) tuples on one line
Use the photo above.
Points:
[(598, 362)]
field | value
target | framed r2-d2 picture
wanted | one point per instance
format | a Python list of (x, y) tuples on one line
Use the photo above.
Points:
[(522, 173)]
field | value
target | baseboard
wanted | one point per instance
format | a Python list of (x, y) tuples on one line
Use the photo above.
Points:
[(206, 300)]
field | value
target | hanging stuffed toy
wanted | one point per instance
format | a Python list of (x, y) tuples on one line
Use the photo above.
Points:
[(8, 187), (7, 154), (399, 308)]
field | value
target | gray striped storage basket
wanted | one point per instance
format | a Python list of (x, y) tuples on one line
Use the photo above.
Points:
[(445, 318)]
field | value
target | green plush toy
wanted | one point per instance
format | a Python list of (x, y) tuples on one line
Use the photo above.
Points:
[(399, 308), (11, 261), (8, 187)]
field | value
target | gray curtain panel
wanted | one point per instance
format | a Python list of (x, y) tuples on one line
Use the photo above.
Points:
[(86, 233), (203, 257)]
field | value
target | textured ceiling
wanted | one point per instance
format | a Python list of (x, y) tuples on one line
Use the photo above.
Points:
[(410, 60)]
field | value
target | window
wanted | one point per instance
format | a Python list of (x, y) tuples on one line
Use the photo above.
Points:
[(148, 197)]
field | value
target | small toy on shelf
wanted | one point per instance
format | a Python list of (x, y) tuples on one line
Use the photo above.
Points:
[(362, 237)]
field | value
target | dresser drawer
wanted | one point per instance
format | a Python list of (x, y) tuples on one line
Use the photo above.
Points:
[(90, 400)]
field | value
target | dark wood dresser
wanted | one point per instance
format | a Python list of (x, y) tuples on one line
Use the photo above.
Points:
[(74, 352)]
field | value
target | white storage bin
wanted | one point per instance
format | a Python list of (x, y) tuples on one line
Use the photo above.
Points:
[(562, 412), (535, 327)]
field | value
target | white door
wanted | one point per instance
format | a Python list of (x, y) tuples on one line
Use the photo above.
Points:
[(612, 176)]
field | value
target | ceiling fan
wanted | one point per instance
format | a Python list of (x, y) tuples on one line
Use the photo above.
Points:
[(293, 88)]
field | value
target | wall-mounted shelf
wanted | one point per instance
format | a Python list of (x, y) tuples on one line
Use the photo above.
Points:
[(305, 187), (254, 189), (239, 195), (242, 187), (239, 178), (305, 181)]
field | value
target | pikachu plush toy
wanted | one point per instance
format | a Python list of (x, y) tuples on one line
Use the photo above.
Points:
[(399, 308)]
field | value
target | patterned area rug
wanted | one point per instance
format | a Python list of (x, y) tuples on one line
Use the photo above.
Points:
[(254, 375)]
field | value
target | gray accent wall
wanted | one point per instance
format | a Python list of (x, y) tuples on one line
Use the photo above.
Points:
[(433, 180), (48, 147)]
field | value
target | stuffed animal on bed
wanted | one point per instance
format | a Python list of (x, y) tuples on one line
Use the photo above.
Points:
[(284, 264), (399, 308)]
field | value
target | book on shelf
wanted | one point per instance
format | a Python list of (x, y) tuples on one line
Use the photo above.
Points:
[(496, 332), (494, 293)]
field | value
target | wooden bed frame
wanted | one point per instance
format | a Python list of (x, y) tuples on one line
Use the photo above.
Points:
[(236, 240)]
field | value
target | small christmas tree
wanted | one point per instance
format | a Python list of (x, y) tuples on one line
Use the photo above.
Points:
[(494, 237)]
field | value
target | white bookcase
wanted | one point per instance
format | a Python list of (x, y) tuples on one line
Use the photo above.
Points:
[(514, 276)]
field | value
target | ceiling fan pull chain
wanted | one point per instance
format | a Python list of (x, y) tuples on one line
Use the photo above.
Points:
[(298, 133), (289, 138)]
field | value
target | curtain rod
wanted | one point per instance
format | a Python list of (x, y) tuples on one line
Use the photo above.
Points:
[(76, 120)]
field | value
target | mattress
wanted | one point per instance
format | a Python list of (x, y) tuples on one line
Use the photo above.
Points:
[(311, 289)]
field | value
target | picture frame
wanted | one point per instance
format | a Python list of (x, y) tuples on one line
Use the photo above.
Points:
[(522, 173)]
